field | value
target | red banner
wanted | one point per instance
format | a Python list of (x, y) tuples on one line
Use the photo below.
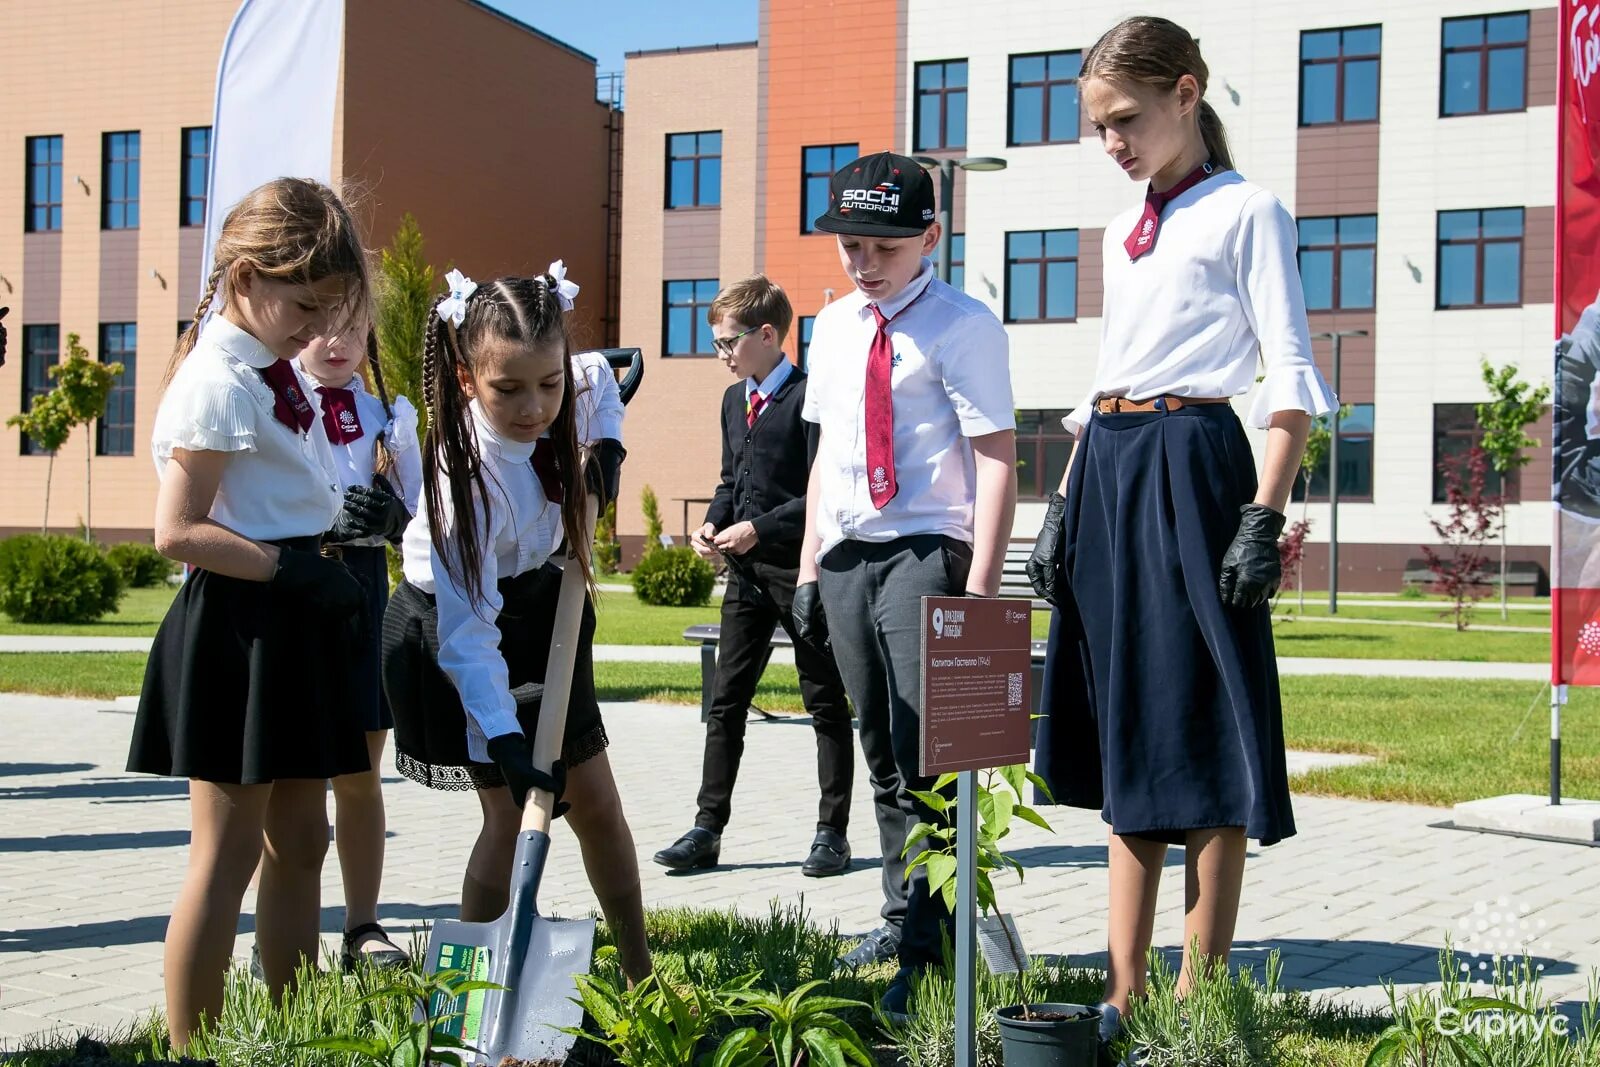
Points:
[(1575, 555)]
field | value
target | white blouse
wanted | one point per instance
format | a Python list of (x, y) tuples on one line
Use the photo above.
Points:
[(281, 483), (1218, 296), (519, 529)]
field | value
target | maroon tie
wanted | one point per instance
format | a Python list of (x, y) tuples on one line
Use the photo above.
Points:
[(880, 415), (339, 417), (548, 470), (289, 403), (753, 409), (1143, 237)]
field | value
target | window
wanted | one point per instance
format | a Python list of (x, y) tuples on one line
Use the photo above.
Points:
[(806, 322), (119, 181), (1480, 258), (1484, 65), (1355, 458), (817, 166), (1043, 448), (1044, 98), (1337, 260), (1455, 431), (941, 105), (958, 261), (1339, 75), (41, 350), (1042, 276), (44, 185), (193, 181), (114, 431), (687, 332), (694, 169)]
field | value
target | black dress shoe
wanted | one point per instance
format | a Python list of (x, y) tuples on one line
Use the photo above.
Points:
[(830, 854), (699, 848)]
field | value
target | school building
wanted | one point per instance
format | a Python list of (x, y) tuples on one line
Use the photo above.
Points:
[(447, 109), (1415, 144)]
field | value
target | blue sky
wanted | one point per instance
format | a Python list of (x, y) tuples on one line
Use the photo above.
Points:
[(608, 28)]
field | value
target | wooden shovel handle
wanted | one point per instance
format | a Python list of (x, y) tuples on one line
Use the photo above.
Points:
[(538, 812)]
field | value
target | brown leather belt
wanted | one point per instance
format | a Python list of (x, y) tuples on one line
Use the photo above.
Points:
[(1112, 405)]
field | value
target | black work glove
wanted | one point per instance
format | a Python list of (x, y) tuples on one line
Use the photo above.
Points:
[(1045, 565), (810, 624), (370, 511), (322, 584), (3, 337), (1251, 569), (513, 755), (604, 472)]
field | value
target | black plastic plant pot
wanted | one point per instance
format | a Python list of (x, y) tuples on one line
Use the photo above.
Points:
[(1054, 1035)]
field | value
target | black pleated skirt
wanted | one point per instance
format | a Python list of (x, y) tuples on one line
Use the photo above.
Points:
[(430, 724), (370, 565), (1161, 704), (246, 686)]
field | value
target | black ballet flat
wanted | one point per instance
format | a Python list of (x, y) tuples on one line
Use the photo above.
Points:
[(387, 959)]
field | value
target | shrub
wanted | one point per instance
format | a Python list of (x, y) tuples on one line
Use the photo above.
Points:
[(674, 577), (652, 520), (140, 565), (607, 552), (51, 578)]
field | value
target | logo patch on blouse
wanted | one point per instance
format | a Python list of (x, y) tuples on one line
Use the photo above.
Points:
[(880, 479), (347, 421)]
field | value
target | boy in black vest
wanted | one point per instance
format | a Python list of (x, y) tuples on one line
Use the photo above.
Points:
[(757, 520)]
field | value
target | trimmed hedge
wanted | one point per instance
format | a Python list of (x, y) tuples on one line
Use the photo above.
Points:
[(55, 578), (140, 565), (674, 578)]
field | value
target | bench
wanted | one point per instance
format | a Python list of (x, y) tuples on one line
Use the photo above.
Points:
[(1522, 575), (709, 635)]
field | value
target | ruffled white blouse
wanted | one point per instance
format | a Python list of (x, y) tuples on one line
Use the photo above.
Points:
[(278, 482), (1217, 301)]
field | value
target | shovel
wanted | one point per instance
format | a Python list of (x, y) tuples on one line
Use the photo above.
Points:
[(536, 959)]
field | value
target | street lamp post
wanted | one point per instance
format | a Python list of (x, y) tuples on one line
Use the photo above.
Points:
[(947, 191), (1333, 469)]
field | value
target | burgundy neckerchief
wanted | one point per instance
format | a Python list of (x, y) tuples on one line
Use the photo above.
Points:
[(548, 468), (339, 416), (289, 403), (1143, 237)]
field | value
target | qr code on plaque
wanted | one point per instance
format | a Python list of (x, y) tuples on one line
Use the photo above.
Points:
[(1014, 689)]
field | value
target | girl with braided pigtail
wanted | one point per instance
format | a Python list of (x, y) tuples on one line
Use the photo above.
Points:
[(467, 634)]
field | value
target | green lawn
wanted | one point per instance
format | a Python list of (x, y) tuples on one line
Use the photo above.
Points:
[(1308, 637), (138, 616), (1413, 611)]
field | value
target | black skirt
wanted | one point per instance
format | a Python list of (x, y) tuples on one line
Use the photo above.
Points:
[(246, 686), (1162, 705), (370, 565), (430, 724)]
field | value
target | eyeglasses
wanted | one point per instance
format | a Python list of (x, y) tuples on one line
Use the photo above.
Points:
[(725, 344)]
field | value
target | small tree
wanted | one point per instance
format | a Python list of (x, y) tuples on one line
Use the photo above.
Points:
[(1505, 418), (652, 521), (48, 424), (405, 293), (1458, 570), (1291, 554), (1318, 441), (607, 553), (84, 386)]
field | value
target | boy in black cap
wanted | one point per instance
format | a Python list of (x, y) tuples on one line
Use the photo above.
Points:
[(911, 495)]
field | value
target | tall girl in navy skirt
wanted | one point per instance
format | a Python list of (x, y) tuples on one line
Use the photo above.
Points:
[(1161, 687), (246, 692), (379, 462)]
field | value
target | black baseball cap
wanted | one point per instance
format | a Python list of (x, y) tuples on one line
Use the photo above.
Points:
[(882, 195)]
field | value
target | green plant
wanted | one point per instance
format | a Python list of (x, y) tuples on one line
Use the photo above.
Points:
[(395, 1037), (1220, 1021), (653, 529), (140, 565), (800, 1028), (53, 578), (48, 424), (1319, 440), (928, 1040), (405, 293), (84, 386), (1514, 405), (674, 577), (651, 1024), (607, 553), (1412, 591)]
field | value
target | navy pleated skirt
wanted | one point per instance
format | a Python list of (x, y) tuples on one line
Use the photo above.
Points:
[(1161, 704)]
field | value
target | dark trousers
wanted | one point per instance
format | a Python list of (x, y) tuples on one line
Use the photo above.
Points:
[(749, 617), (872, 594)]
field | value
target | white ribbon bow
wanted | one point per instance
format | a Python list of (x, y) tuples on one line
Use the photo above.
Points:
[(453, 308), (566, 292)]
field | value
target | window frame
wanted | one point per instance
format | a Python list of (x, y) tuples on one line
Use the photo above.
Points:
[(52, 167), (32, 390), (1338, 248), (1044, 261), (1300, 491), (807, 215), (958, 262), (130, 162), (1509, 484), (697, 317), (115, 436), (698, 160), (187, 197), (944, 93), (1484, 50), (1481, 242), (1032, 444), (1339, 76), (1045, 85), (802, 334)]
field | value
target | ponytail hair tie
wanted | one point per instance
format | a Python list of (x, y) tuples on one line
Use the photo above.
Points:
[(555, 280), (453, 308)]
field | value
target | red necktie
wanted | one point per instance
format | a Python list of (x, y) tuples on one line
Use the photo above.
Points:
[(548, 470), (880, 415), (339, 417), (753, 408), (289, 403), (1143, 237)]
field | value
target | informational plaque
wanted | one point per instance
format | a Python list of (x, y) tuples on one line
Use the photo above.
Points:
[(977, 676)]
